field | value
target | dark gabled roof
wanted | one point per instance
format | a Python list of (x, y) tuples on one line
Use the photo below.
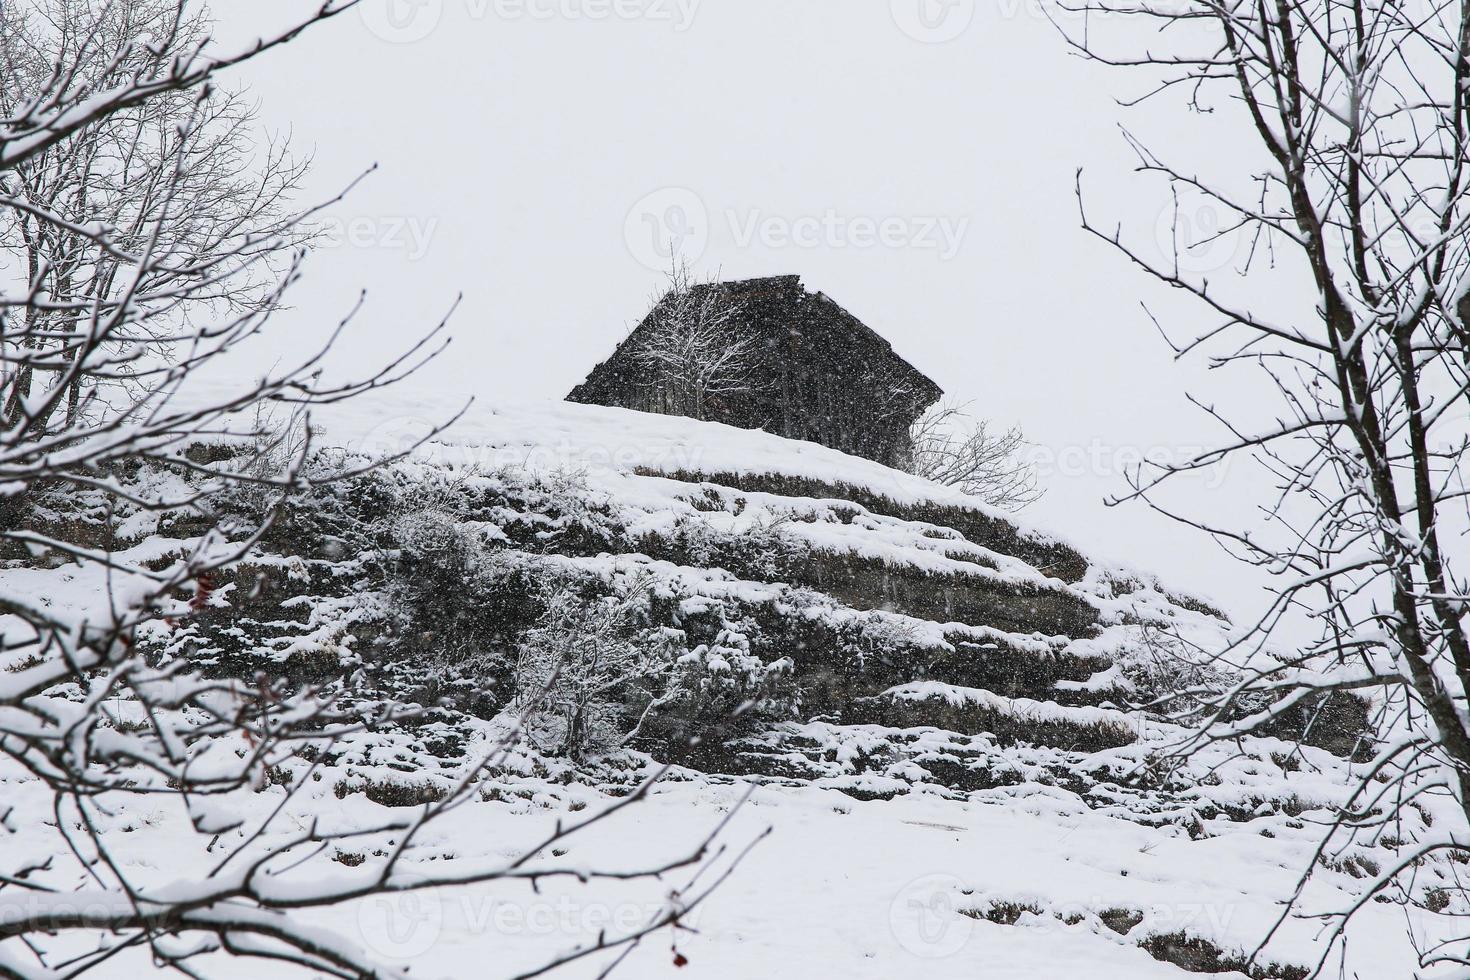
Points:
[(775, 286), (932, 390)]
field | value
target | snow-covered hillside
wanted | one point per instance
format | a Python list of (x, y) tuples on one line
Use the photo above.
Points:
[(936, 715)]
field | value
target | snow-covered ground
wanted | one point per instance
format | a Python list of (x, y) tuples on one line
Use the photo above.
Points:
[(873, 891), (841, 887)]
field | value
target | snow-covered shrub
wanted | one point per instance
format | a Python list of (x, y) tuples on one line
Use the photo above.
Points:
[(437, 558), (459, 598), (272, 445), (720, 687), (952, 448), (589, 665), (625, 663), (761, 548), (553, 509), (1179, 678), (877, 634), (1163, 666)]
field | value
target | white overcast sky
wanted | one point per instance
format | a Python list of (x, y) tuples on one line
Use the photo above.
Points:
[(523, 148)]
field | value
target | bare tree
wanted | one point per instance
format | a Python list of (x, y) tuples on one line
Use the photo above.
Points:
[(126, 298), (1348, 305), (953, 448), (175, 175), (692, 349)]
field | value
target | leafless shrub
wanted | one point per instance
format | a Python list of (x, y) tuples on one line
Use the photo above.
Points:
[(692, 349), (582, 664), (953, 448), (1165, 669)]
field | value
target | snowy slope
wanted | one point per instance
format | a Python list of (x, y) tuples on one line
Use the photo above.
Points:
[(952, 805), (842, 888), (615, 445)]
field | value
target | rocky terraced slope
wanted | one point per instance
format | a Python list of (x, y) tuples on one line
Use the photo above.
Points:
[(775, 612), (866, 629)]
